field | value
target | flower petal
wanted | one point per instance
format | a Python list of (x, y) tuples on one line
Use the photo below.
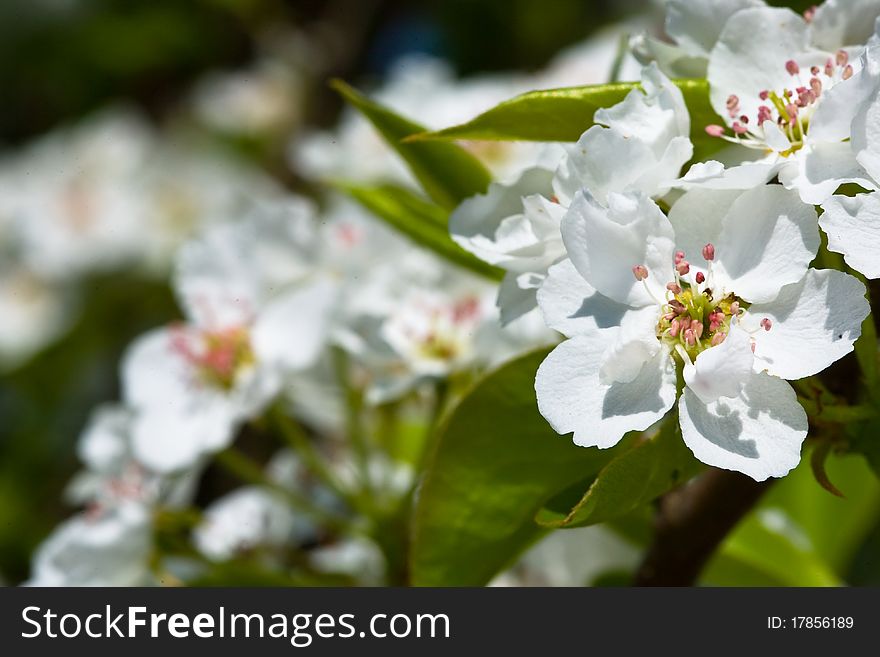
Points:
[(751, 53), (839, 23), (572, 399), (714, 175), (852, 225), (813, 323), (635, 343), (817, 170), (604, 243), (517, 295), (292, 329), (721, 371), (768, 240), (758, 433), (696, 26), (572, 306), (697, 218), (475, 225)]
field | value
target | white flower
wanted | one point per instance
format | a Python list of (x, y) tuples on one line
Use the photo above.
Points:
[(256, 313), (246, 519), (638, 144), (780, 94), (723, 288), (111, 548)]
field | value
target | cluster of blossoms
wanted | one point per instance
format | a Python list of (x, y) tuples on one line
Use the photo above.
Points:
[(712, 303), (275, 290)]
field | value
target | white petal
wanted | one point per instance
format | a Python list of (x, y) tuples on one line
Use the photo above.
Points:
[(758, 433), (153, 373), (697, 218), (721, 371), (839, 105), (866, 137), (104, 445), (606, 243), (817, 170), (852, 225), (696, 25), (517, 295), (750, 56), (573, 307), (475, 224), (714, 175), (292, 329), (572, 399), (813, 324), (768, 240), (839, 23), (635, 343), (168, 440), (774, 137)]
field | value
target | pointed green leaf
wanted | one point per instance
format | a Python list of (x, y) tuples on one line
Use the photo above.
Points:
[(636, 475), (497, 461), (420, 220), (565, 114), (447, 172)]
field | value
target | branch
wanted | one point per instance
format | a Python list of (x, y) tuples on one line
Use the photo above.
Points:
[(692, 521)]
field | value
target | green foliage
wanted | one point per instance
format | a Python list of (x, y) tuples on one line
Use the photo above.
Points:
[(498, 462), (420, 220), (447, 172), (565, 114), (636, 475)]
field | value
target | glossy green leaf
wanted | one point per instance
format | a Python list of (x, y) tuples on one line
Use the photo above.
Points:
[(496, 463), (637, 474), (565, 114), (447, 172), (420, 220)]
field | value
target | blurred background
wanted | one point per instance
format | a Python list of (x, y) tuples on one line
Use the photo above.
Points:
[(199, 101)]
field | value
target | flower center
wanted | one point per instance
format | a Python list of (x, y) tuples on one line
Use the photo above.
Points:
[(216, 356), (789, 109)]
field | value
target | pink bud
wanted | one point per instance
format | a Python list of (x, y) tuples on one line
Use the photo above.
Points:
[(690, 337), (717, 339), (714, 130), (700, 278), (842, 57), (675, 288), (792, 67), (709, 251), (764, 95), (640, 272), (847, 72), (679, 256), (683, 267), (766, 324)]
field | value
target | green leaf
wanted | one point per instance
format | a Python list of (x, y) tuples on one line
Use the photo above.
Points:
[(496, 463), (420, 220), (447, 172), (565, 114), (638, 473)]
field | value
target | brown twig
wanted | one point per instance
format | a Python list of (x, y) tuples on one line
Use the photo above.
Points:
[(691, 522)]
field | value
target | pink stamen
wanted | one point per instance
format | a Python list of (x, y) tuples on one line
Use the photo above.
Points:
[(679, 256), (714, 130), (739, 128), (764, 114), (675, 288), (640, 272), (816, 86), (792, 67), (842, 57), (766, 324), (697, 328), (764, 95), (675, 328), (734, 308), (829, 67), (700, 278), (717, 339), (814, 70), (847, 72), (683, 267), (690, 337), (709, 251)]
